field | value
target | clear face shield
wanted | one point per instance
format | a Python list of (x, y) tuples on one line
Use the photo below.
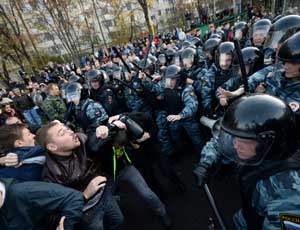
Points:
[(259, 35), (162, 60), (73, 96), (177, 61), (117, 75), (269, 56), (188, 62), (225, 61), (238, 34), (273, 39), (170, 83), (245, 151)]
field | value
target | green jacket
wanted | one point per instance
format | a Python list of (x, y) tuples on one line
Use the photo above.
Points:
[(54, 107)]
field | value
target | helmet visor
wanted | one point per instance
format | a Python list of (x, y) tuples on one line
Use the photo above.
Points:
[(273, 39), (162, 60), (73, 96), (245, 151), (187, 62), (260, 30), (238, 34), (225, 61), (117, 75)]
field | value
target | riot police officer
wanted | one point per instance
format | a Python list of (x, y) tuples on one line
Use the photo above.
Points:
[(87, 113), (282, 80), (259, 32), (219, 73), (210, 47), (180, 105), (103, 93), (266, 154), (240, 31), (254, 61)]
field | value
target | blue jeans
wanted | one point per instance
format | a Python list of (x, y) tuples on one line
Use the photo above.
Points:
[(32, 117), (105, 215), (133, 177), (192, 128)]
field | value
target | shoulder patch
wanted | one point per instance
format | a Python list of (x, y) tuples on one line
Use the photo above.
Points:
[(192, 93), (98, 112), (203, 82), (289, 221)]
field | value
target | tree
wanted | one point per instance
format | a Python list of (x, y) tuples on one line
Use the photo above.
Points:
[(145, 4), (99, 23), (17, 4), (89, 32), (13, 44)]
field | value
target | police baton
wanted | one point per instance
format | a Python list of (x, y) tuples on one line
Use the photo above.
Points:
[(126, 85), (140, 69), (213, 205), (148, 50), (119, 55), (242, 65)]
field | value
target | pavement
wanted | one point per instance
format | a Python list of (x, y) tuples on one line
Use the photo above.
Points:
[(189, 210)]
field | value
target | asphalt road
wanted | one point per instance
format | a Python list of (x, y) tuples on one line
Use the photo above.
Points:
[(190, 210)]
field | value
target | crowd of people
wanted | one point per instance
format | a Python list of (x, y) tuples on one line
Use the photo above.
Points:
[(70, 136)]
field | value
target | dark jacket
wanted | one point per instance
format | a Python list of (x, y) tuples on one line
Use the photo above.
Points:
[(26, 172), (22, 103), (75, 171), (26, 203)]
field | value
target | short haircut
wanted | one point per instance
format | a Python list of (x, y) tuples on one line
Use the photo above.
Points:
[(9, 134), (8, 120), (51, 86), (42, 135)]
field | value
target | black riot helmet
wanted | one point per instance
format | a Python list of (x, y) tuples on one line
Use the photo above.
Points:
[(196, 41), (74, 78), (216, 35), (281, 30), (260, 31), (253, 59), (240, 30), (289, 51), (172, 71), (256, 128), (277, 18), (73, 92), (210, 47), (95, 75), (187, 44), (223, 53), (170, 53), (222, 34), (188, 57)]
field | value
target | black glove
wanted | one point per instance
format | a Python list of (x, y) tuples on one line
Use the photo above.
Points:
[(201, 175)]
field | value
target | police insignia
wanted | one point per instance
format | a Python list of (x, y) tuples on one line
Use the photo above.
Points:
[(192, 94), (203, 82), (289, 221), (97, 112), (294, 105)]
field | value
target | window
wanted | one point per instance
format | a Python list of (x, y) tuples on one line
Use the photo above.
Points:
[(159, 12)]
